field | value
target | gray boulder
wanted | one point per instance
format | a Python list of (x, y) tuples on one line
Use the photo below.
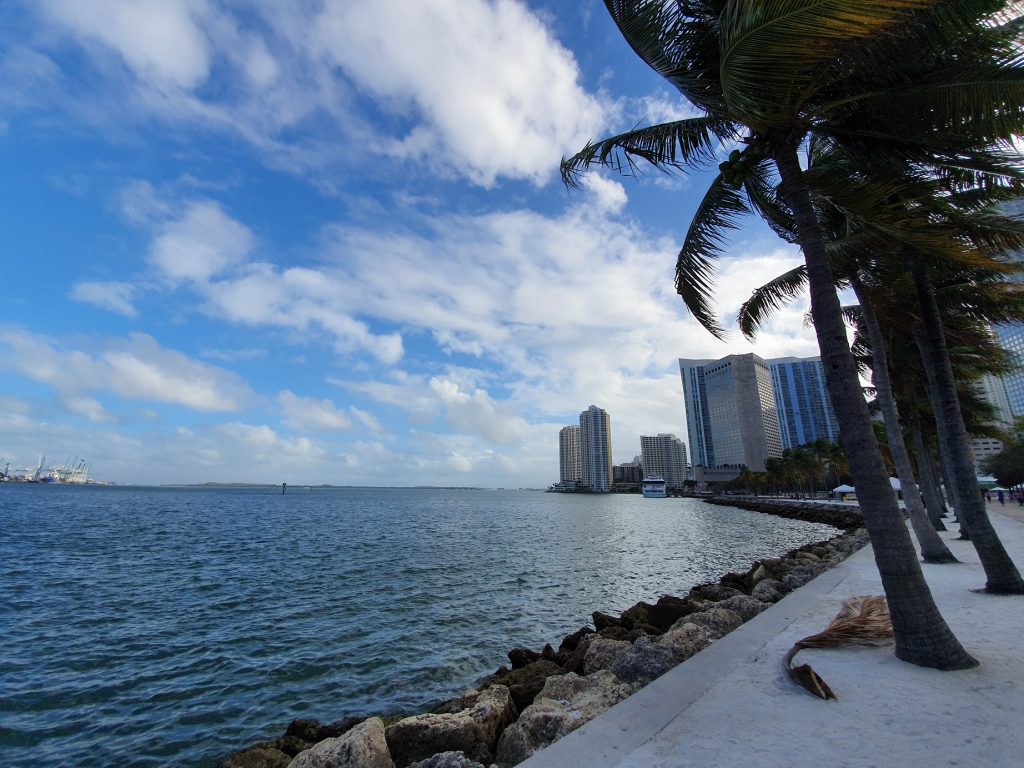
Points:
[(552, 715), (799, 576), (448, 760), (473, 731), (567, 687), (602, 653), (264, 755), (717, 621), (759, 574), (769, 591), (643, 663), (525, 682), (684, 640), (363, 746), (714, 592), (746, 606)]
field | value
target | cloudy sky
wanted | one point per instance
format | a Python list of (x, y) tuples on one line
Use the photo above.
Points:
[(326, 242)]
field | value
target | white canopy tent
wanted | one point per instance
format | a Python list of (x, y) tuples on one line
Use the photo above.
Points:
[(893, 481)]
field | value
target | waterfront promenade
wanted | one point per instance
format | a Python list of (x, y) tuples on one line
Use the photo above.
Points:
[(732, 704)]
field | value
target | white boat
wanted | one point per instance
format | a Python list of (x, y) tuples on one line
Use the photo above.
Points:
[(654, 487)]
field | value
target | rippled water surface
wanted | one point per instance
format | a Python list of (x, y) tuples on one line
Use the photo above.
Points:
[(157, 626)]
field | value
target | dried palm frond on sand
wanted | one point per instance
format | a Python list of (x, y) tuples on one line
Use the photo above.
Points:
[(863, 620)]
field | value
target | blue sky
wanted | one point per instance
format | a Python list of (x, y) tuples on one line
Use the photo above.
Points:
[(326, 242)]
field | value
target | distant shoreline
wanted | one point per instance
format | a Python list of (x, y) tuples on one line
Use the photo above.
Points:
[(325, 485)]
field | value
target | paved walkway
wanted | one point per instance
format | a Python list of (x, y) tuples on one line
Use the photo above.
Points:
[(1010, 509), (732, 705)]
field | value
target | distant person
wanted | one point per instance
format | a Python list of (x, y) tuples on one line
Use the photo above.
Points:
[(999, 495), (988, 496)]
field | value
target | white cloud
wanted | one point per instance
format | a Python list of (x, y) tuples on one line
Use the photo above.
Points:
[(89, 407), (407, 392), (134, 369), (367, 419), (262, 444), (115, 296), (608, 195), (662, 108), (160, 40), (198, 244), (310, 414), (299, 299), (475, 413), (234, 355), (203, 242), (500, 95), (27, 77), (140, 203)]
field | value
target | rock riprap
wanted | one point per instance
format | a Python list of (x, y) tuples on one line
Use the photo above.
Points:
[(474, 731)]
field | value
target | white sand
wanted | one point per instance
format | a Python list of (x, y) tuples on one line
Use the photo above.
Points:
[(732, 705)]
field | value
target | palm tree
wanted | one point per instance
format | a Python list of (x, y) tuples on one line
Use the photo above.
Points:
[(972, 296), (933, 548), (877, 79), (862, 259), (925, 462), (833, 460), (1000, 571)]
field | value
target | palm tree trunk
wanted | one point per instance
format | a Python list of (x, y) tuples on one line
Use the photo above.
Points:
[(926, 472), (945, 462), (922, 635), (1002, 575), (933, 548)]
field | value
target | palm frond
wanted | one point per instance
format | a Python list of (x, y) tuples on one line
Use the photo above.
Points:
[(852, 314), (667, 146), (770, 297), (972, 106), (763, 196), (862, 620), (772, 52), (718, 211), (672, 39)]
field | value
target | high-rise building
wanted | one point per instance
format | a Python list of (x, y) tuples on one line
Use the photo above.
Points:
[(570, 468), (802, 402), (993, 391), (1011, 337), (730, 412), (596, 449), (664, 455), (629, 474)]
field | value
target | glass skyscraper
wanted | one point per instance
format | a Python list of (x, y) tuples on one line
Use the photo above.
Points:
[(596, 449), (805, 411), (731, 415), (1011, 337)]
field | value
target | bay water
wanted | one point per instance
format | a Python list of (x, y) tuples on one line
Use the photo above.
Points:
[(172, 626)]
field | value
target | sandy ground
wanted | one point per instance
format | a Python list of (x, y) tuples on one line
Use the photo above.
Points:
[(732, 705)]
